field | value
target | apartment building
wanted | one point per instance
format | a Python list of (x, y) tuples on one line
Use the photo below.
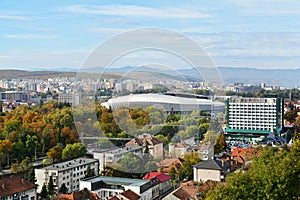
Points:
[(253, 116), (69, 173), (71, 98)]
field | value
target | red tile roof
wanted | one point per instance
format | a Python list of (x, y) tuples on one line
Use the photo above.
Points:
[(161, 176), (114, 198), (181, 194), (245, 153), (82, 194), (143, 139), (13, 185), (129, 194)]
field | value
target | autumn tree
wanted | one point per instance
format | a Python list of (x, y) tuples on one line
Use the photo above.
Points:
[(5, 149), (55, 153)]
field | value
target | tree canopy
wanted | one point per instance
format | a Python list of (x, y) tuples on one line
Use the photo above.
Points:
[(273, 175)]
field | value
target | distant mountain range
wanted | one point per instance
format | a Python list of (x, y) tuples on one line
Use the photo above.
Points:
[(281, 77)]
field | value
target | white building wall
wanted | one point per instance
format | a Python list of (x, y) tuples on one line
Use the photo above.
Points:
[(206, 174)]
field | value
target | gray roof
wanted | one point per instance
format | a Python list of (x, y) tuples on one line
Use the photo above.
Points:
[(70, 164), (213, 164), (117, 180)]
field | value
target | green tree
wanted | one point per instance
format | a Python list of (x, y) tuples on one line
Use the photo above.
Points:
[(89, 172), (186, 170), (50, 186), (44, 193), (73, 151), (290, 115), (273, 175), (131, 163), (30, 175), (63, 189), (172, 173), (220, 144), (150, 166)]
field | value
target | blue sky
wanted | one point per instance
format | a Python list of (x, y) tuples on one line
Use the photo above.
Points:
[(236, 33)]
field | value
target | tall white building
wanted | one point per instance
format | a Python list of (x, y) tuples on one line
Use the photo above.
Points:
[(69, 173), (253, 116), (71, 98)]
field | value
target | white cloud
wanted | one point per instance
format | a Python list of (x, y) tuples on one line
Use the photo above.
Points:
[(139, 11), (4, 57), (13, 17), (28, 36), (109, 31)]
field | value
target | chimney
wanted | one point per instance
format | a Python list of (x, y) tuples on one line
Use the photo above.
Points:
[(3, 186), (222, 163)]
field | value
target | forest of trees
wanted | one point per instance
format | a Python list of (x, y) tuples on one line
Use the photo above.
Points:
[(30, 132)]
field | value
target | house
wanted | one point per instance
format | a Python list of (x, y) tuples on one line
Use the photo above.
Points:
[(79, 195), (178, 194), (178, 150), (69, 173), (161, 183), (106, 187), (15, 188), (205, 151), (215, 170), (114, 155), (154, 145), (167, 164)]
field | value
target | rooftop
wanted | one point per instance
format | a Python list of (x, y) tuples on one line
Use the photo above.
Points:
[(161, 176), (70, 164), (120, 151), (213, 164), (13, 185), (205, 146), (117, 181), (129, 194)]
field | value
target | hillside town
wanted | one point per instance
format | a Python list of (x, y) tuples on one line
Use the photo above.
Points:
[(186, 149)]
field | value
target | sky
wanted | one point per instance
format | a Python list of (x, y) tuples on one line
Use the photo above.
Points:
[(52, 34)]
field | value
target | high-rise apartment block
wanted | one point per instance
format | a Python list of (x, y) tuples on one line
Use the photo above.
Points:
[(253, 116)]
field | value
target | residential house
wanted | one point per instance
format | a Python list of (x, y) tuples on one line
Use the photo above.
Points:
[(161, 183), (106, 187), (154, 146), (126, 195), (167, 164), (205, 151), (242, 155), (69, 173), (178, 150), (16, 188), (215, 170)]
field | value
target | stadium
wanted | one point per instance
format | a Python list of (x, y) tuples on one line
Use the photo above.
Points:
[(176, 102)]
